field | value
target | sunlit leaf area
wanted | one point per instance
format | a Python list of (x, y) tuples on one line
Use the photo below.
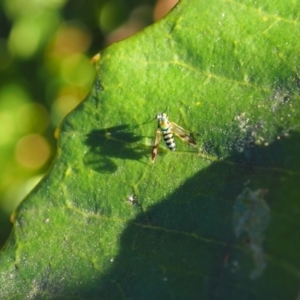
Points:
[(45, 71)]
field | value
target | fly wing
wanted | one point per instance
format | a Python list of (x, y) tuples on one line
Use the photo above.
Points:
[(180, 132), (156, 143)]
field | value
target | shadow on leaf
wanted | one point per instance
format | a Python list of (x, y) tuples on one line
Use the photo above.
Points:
[(113, 142), (187, 247)]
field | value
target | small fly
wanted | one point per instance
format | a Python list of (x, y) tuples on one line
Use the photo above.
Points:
[(167, 129)]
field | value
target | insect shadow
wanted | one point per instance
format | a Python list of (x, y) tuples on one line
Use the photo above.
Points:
[(113, 142)]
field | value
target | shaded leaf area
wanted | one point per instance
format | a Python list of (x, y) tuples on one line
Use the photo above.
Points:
[(219, 221), (181, 253)]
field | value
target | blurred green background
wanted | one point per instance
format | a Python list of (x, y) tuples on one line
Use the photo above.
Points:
[(45, 71)]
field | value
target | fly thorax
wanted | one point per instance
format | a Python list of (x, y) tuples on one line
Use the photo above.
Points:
[(164, 126)]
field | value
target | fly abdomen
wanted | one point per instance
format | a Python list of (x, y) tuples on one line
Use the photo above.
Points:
[(169, 139)]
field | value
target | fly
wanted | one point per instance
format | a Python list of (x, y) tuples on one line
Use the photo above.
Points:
[(168, 129)]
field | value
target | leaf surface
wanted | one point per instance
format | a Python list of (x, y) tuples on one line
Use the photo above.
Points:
[(220, 221)]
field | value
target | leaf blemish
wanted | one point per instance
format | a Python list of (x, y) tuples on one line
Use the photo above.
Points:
[(252, 216), (133, 200)]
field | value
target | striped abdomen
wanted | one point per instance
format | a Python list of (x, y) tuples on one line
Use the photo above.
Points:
[(169, 139)]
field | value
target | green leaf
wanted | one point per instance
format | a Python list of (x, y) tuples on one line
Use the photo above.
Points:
[(220, 221)]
